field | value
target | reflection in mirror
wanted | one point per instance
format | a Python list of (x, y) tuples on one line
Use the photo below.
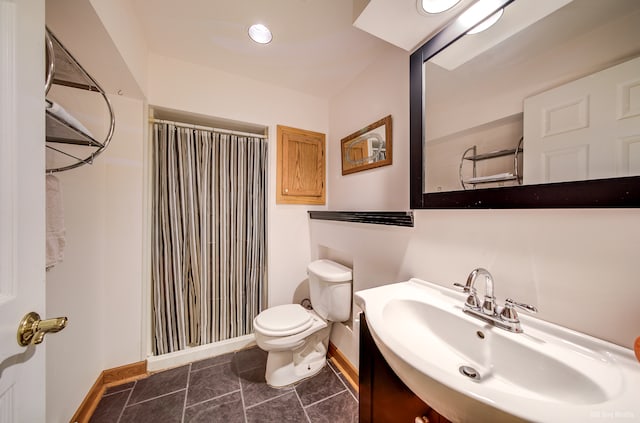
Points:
[(551, 93), (368, 148)]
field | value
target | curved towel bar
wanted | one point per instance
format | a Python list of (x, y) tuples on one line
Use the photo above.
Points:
[(59, 131)]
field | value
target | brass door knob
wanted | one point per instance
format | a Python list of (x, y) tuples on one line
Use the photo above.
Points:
[(32, 330)]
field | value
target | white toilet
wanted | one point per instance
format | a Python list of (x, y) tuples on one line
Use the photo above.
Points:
[(296, 338)]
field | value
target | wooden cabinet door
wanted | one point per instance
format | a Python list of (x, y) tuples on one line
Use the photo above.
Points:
[(384, 398), (300, 169)]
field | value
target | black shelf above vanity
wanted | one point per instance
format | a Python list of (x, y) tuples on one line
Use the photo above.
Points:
[(393, 218)]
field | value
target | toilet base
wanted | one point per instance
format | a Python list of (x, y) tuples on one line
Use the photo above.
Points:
[(288, 367)]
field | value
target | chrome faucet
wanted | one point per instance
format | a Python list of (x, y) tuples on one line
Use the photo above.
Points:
[(489, 303), (503, 317)]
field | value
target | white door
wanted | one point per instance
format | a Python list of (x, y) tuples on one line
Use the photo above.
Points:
[(586, 129), (22, 203)]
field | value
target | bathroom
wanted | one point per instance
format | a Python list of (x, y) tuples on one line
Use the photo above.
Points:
[(575, 264)]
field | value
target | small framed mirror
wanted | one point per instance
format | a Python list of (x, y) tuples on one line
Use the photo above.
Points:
[(368, 148)]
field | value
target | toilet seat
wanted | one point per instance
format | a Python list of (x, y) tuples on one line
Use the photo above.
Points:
[(283, 320)]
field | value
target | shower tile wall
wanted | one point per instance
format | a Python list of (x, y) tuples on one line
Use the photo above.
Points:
[(228, 388)]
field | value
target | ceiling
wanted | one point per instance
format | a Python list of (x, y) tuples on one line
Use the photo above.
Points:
[(315, 47), (318, 46)]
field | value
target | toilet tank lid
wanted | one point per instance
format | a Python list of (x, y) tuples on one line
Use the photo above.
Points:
[(330, 271)]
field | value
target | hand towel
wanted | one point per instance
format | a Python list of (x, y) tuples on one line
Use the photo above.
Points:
[(55, 222), (490, 177), (66, 117)]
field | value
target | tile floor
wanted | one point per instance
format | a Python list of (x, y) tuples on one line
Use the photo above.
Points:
[(229, 388)]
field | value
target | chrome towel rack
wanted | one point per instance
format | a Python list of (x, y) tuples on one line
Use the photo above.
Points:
[(71, 143)]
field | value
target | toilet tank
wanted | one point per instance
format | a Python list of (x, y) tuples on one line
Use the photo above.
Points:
[(330, 288)]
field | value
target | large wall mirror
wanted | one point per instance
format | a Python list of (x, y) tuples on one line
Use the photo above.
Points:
[(542, 109)]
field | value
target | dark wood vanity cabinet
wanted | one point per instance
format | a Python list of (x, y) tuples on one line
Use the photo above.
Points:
[(384, 398)]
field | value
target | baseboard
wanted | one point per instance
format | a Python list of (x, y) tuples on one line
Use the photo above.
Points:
[(347, 369), (107, 378), (90, 402), (191, 354)]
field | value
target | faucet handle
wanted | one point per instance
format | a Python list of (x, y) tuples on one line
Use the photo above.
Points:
[(523, 306), (509, 313), (472, 300), (465, 288)]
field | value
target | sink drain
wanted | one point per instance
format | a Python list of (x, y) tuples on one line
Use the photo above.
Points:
[(469, 372)]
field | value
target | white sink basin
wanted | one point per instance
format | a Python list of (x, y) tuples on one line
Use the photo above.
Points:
[(470, 371)]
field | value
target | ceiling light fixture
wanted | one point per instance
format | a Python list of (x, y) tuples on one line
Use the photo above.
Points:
[(260, 34), (487, 23), (518, 17), (476, 16), (437, 6)]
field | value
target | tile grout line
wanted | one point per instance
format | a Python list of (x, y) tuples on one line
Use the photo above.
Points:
[(157, 397), (304, 410), (326, 398), (126, 402), (211, 399), (186, 393), (244, 408), (208, 367), (344, 383), (270, 399), (115, 392)]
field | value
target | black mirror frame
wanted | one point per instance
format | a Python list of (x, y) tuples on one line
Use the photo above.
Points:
[(599, 193)]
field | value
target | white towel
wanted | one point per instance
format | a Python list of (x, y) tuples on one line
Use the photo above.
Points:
[(497, 177), (65, 116), (55, 222)]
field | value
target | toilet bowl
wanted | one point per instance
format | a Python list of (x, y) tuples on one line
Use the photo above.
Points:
[(296, 338)]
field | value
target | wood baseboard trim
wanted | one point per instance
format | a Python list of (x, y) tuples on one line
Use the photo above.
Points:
[(347, 369), (107, 378), (90, 402), (123, 374)]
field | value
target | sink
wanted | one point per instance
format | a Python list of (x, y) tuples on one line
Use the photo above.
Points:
[(470, 371)]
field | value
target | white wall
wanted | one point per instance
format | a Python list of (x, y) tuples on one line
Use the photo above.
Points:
[(197, 89), (124, 28), (577, 266), (98, 285), (365, 101)]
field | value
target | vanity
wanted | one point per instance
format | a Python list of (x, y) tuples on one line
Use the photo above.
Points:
[(384, 398)]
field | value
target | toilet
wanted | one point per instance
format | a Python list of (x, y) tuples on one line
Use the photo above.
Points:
[(297, 338)]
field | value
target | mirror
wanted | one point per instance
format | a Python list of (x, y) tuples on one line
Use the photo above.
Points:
[(368, 148), (540, 110)]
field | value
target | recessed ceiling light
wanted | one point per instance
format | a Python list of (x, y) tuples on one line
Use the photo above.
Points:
[(260, 34), (437, 6), (487, 23), (477, 16)]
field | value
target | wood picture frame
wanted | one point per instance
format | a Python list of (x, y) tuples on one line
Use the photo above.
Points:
[(368, 148)]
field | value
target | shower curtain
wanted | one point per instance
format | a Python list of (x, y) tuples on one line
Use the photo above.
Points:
[(209, 267)]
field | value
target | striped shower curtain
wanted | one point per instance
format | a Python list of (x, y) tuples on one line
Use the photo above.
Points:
[(209, 266)]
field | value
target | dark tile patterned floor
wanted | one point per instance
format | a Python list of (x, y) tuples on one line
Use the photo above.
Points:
[(229, 388)]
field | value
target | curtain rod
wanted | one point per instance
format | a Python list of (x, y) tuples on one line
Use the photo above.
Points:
[(208, 128)]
